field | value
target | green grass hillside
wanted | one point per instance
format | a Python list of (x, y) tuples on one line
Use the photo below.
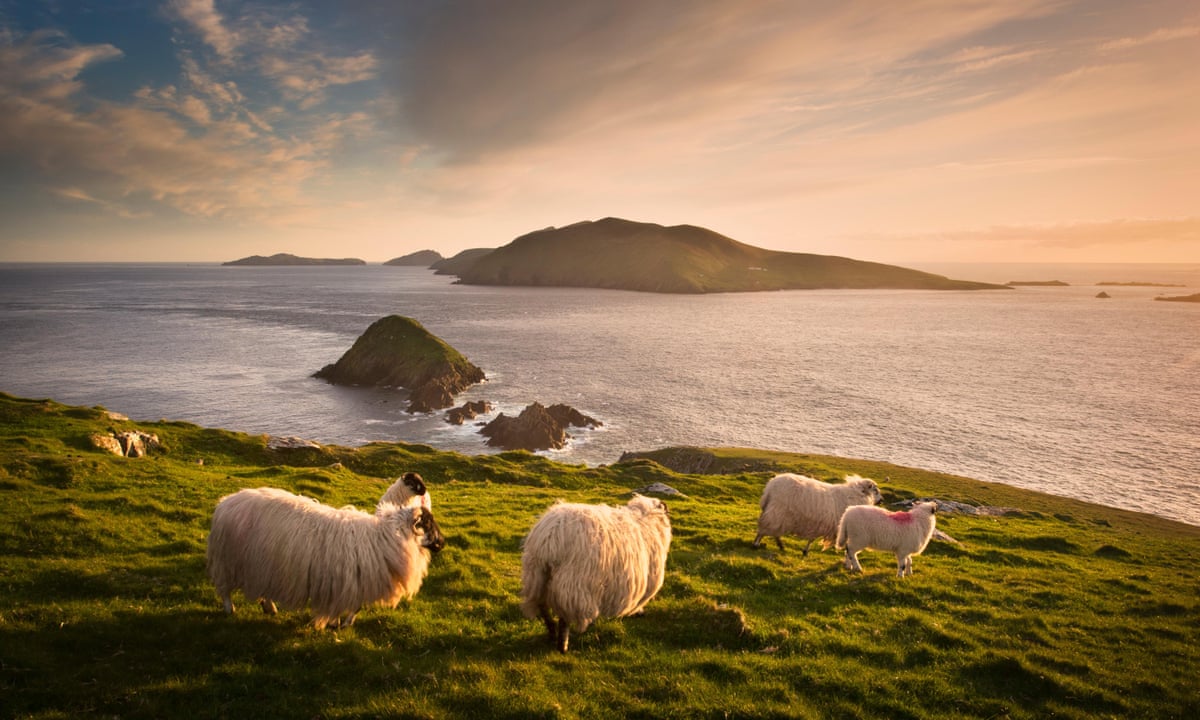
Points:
[(621, 254), (1062, 609)]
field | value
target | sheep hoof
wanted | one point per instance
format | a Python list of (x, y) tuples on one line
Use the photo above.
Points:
[(268, 606)]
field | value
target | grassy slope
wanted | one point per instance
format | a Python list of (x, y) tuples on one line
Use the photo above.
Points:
[(615, 253), (1066, 609)]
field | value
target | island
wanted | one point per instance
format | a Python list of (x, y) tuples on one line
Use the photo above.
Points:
[(421, 258), (289, 259), (622, 254), (1195, 297), (397, 351), (1037, 283)]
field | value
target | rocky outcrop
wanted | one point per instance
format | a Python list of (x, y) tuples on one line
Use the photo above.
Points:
[(468, 411), (1103, 295), (536, 428), (130, 443), (396, 351), (291, 442)]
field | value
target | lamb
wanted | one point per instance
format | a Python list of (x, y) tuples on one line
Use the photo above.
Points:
[(580, 562), (904, 533), (283, 548), (810, 509)]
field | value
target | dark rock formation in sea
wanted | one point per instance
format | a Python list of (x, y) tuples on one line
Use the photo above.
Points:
[(1179, 298), (468, 411), (396, 351), (289, 259), (1103, 295), (626, 255), (458, 263), (536, 428), (421, 258)]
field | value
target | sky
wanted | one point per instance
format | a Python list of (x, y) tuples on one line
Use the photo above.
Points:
[(901, 132)]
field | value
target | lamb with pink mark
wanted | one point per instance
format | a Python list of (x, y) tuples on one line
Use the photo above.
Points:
[(864, 527)]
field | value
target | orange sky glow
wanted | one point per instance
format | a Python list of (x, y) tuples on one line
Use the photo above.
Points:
[(914, 131)]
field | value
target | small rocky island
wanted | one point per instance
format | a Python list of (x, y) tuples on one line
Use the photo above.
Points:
[(537, 427), (396, 351), (289, 259)]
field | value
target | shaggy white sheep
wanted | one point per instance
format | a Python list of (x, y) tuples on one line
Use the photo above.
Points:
[(409, 489), (809, 509), (580, 562), (904, 533), (283, 548)]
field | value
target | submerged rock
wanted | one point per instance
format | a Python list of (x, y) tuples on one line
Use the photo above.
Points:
[(396, 351)]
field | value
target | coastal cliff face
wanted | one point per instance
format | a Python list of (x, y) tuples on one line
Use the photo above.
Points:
[(626, 255), (396, 351)]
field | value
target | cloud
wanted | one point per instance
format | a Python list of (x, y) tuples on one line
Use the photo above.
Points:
[(1160, 35), (477, 81), (202, 16)]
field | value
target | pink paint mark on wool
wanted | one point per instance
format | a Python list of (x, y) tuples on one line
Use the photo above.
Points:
[(903, 518)]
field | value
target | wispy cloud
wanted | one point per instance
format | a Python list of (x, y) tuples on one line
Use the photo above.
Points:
[(1160, 35)]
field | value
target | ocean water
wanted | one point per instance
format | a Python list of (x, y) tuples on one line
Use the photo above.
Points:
[(1047, 388)]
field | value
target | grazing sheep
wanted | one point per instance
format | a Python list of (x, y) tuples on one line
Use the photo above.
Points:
[(409, 489), (904, 533), (286, 549), (809, 509), (580, 562)]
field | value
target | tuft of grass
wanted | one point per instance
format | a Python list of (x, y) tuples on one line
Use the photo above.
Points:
[(1061, 608)]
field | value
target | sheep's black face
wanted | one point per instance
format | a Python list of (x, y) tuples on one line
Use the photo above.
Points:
[(431, 534), (414, 483)]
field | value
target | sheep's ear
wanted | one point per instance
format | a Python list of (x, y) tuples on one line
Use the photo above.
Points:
[(414, 483)]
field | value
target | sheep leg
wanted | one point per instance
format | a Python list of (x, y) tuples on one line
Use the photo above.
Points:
[(564, 633), (228, 603), (758, 540), (852, 561), (779, 542), (268, 606), (904, 566), (806, 547), (551, 628)]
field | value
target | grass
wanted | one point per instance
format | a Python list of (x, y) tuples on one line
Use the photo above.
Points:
[(1064, 609)]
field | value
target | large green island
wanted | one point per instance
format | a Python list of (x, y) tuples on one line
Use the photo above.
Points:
[(1043, 606), (627, 255)]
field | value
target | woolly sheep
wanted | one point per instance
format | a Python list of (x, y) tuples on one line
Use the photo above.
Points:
[(904, 533), (283, 548), (580, 562), (408, 489), (809, 509)]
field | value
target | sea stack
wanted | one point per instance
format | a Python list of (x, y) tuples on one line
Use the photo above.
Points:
[(396, 351)]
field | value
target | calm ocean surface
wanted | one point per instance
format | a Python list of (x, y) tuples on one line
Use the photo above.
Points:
[(1047, 388)]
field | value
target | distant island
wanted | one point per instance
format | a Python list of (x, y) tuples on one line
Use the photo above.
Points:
[(1037, 283), (421, 258), (1180, 298), (289, 259), (1139, 284), (625, 255)]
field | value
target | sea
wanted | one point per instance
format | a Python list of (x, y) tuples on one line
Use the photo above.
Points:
[(1047, 388)]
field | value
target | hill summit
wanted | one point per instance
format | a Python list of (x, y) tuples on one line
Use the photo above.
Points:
[(628, 255)]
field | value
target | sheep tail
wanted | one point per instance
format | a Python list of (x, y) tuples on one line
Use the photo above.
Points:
[(841, 535)]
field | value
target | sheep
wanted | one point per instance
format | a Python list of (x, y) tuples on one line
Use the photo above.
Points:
[(580, 562), (810, 509), (286, 549), (904, 533), (408, 489)]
